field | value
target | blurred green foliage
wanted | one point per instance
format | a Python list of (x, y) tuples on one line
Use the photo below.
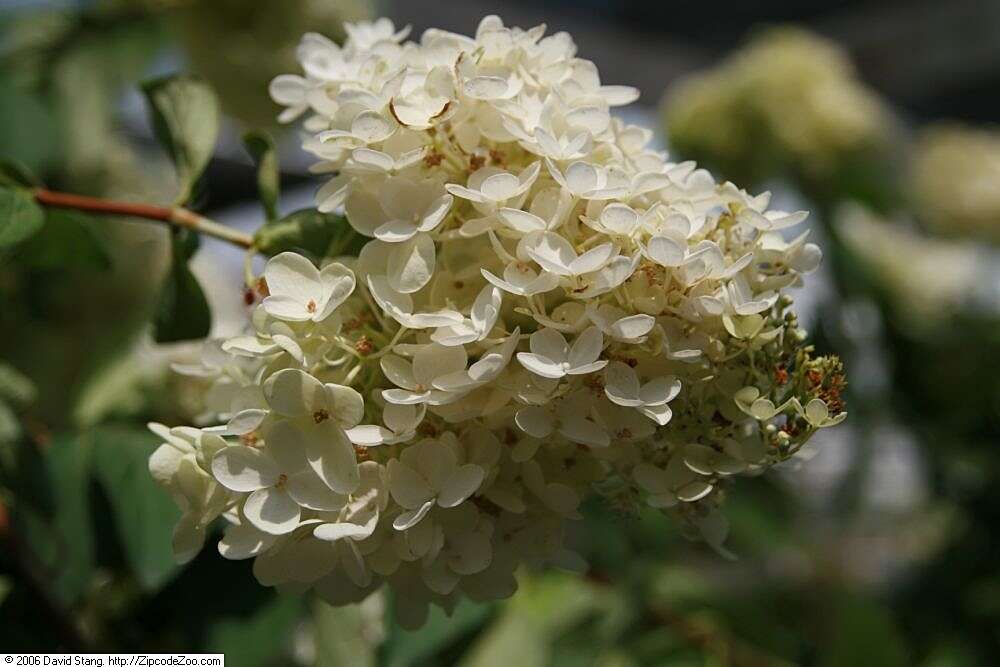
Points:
[(86, 563)]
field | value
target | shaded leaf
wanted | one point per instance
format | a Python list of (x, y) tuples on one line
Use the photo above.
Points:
[(15, 386), (403, 648), (66, 241), (262, 639), (14, 173), (311, 232), (144, 513), (60, 537), (343, 636), (865, 635), (182, 312), (20, 215), (185, 113), (260, 145)]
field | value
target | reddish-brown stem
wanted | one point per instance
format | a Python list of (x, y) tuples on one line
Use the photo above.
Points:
[(178, 216)]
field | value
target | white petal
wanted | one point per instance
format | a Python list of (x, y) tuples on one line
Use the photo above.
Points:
[(485, 87), (338, 284), (291, 392), (541, 365), (660, 390), (287, 308), (346, 405), (632, 327), (272, 511), (411, 264), (407, 487), (552, 252), (666, 251), (372, 127), (245, 421), (435, 360), (242, 541), (582, 178), (460, 485), (586, 348), (411, 518), (331, 532), (621, 385), (243, 469), (331, 455), (619, 218), (661, 414), (500, 187), (399, 371), (521, 221), (291, 275), (592, 260), (584, 431), (368, 435), (549, 343), (535, 421), (310, 491)]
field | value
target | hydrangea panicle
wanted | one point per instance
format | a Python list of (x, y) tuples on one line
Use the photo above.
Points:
[(544, 304)]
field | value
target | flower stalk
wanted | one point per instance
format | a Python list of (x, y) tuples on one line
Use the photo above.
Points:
[(172, 215)]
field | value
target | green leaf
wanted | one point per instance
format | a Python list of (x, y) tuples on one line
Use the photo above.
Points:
[(343, 636), (865, 635), (544, 607), (15, 386), (182, 312), (14, 173), (144, 513), (185, 113), (66, 241), (20, 216), (311, 232), (10, 431), (60, 538), (404, 648), (263, 639), (260, 145)]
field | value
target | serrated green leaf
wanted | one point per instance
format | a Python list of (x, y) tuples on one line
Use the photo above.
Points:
[(144, 513), (182, 312), (66, 241), (260, 145), (310, 232), (20, 215), (185, 113)]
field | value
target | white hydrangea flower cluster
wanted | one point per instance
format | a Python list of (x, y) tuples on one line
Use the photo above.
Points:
[(788, 99), (546, 309), (955, 181)]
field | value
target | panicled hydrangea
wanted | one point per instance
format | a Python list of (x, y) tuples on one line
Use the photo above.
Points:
[(955, 181), (927, 280), (788, 100), (546, 309)]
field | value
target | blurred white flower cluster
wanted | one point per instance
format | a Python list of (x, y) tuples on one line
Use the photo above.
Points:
[(955, 181), (789, 99), (547, 309), (929, 280)]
